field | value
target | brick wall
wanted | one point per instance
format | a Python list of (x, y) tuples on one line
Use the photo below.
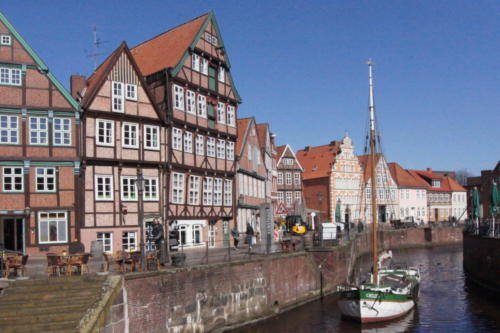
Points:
[(481, 262)]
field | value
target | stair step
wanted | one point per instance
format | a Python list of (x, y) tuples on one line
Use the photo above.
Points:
[(68, 326), (6, 305), (34, 311), (61, 280), (51, 287), (47, 296), (41, 319)]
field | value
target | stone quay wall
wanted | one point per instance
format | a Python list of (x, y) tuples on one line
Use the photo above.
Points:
[(482, 260), (220, 296)]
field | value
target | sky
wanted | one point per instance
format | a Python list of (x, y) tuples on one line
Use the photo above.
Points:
[(301, 66)]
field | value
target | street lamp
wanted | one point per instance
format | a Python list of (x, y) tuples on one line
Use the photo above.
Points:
[(140, 189)]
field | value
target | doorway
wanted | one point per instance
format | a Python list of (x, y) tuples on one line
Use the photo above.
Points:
[(12, 234), (382, 213)]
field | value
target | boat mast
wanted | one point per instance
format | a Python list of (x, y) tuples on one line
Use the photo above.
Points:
[(372, 175)]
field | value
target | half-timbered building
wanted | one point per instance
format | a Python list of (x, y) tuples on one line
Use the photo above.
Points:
[(268, 149), (39, 163), (290, 196), (124, 155), (188, 71)]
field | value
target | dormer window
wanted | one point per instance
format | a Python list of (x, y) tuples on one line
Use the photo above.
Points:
[(5, 40), (436, 183)]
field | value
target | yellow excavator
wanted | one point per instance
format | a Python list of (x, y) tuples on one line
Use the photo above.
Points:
[(296, 225)]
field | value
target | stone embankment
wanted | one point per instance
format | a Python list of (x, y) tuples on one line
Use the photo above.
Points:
[(482, 260)]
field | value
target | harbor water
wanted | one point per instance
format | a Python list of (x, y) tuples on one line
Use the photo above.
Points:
[(447, 303)]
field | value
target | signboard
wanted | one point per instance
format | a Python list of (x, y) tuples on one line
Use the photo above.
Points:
[(281, 209)]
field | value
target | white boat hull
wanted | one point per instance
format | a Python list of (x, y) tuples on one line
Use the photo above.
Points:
[(374, 311)]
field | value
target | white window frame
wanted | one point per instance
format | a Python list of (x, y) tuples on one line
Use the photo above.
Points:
[(104, 196), (5, 40), (281, 197), (35, 131), (132, 129), (130, 245), (221, 149), (288, 178), (289, 198), (194, 190), (178, 97), (131, 91), (200, 145), (231, 115), (107, 242), (65, 133), (228, 192), (110, 135), (9, 129), (221, 113), (208, 183), (177, 139), (129, 182), (296, 178), (177, 188), (204, 66), (280, 178), (10, 76), (217, 192), (188, 142), (298, 197), (210, 147), (61, 220), (222, 74), (190, 102), (230, 151), (117, 96), (154, 142), (151, 189), (43, 179), (202, 106), (14, 172), (195, 62)]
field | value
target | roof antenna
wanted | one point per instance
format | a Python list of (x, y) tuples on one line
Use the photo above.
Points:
[(96, 43)]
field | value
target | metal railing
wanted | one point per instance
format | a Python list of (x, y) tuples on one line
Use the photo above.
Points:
[(483, 227)]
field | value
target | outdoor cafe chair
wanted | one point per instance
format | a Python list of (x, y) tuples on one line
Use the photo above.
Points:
[(54, 264), (16, 263), (152, 260), (79, 262)]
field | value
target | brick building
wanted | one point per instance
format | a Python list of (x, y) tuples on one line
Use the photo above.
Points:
[(483, 184), (290, 196)]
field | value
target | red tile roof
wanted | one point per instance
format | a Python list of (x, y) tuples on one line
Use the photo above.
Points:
[(317, 161), (447, 184), (261, 133), (404, 178), (167, 49), (279, 151), (242, 130)]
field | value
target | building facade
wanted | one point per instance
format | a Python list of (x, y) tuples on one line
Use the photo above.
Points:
[(39, 163), (188, 72), (251, 176), (484, 184), (290, 195)]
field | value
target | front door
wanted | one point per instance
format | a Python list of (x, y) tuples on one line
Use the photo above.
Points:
[(382, 213), (211, 233), (225, 231), (150, 243), (12, 234)]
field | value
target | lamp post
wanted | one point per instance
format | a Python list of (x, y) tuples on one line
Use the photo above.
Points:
[(140, 189)]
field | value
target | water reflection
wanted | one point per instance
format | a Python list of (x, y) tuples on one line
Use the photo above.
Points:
[(447, 303)]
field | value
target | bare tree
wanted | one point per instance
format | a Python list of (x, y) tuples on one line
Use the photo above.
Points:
[(462, 175)]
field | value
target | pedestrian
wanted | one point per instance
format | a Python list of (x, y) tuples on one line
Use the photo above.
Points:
[(236, 237), (250, 234)]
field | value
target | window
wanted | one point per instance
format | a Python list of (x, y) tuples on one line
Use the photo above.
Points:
[(117, 96), (106, 239), (368, 193), (45, 179), (211, 39), (176, 139), (296, 178), (298, 196), (222, 74), (103, 187), (177, 188), (280, 197), (179, 97), (52, 227), (204, 66), (289, 198), (62, 131), (131, 92), (38, 130), (288, 178), (191, 102), (194, 188), (231, 117), (9, 129), (257, 155), (5, 40), (13, 179), (105, 132), (195, 62), (151, 137), (129, 241), (202, 106), (10, 76), (200, 145), (188, 142), (221, 149), (230, 151), (129, 135), (150, 189), (196, 234), (280, 178), (221, 113), (211, 147), (436, 183), (228, 192), (129, 189), (207, 191), (217, 192)]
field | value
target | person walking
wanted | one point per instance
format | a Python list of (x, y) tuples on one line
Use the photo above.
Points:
[(236, 237), (250, 234)]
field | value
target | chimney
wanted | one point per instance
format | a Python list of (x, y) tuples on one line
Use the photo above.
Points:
[(429, 169), (307, 148), (332, 143), (78, 83)]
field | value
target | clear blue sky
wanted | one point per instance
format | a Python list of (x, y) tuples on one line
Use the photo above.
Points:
[(300, 65)]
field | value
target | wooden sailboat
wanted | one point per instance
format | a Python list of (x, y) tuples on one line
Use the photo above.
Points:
[(391, 292)]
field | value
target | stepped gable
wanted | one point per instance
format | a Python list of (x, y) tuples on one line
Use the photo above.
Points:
[(167, 49), (365, 162), (242, 133), (318, 161), (403, 177)]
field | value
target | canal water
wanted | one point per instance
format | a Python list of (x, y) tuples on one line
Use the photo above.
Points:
[(447, 303)]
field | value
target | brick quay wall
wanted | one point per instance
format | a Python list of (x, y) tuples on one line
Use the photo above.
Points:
[(219, 296), (482, 260)]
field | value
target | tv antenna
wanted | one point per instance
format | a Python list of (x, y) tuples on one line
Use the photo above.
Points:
[(96, 43)]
